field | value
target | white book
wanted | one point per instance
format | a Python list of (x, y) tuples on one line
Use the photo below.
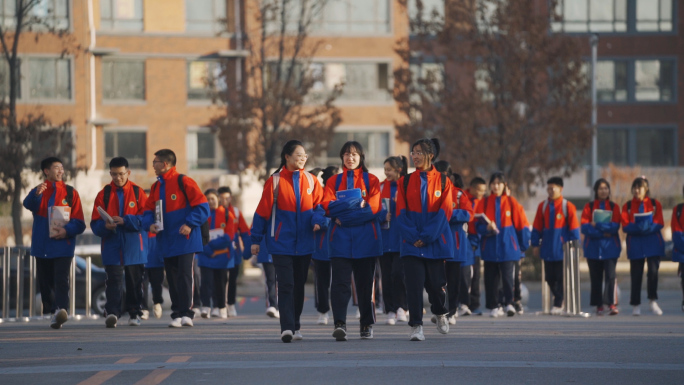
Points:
[(159, 215), (108, 218), (484, 217), (58, 217), (216, 233)]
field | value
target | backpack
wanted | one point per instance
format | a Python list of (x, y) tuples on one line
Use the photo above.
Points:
[(678, 210), (565, 209), (108, 194), (406, 183), (276, 181), (204, 228), (69, 195), (655, 207)]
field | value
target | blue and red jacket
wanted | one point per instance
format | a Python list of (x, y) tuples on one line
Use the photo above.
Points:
[(553, 229), (424, 214), (321, 241), (391, 238), (643, 237), (462, 214), (127, 245), (290, 232), (514, 234), (154, 260), (217, 253), (177, 212), (678, 233), (42, 246), (264, 256), (237, 228), (601, 241), (359, 235), (473, 235)]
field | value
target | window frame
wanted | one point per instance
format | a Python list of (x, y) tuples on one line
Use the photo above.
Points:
[(128, 101), (219, 153), (632, 140), (26, 80), (123, 130), (198, 101), (218, 31), (350, 130), (631, 79), (341, 101), (114, 29), (40, 28)]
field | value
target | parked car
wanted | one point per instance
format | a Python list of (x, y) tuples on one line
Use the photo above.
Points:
[(88, 244)]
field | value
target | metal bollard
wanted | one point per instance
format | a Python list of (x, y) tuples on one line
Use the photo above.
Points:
[(88, 286), (72, 291), (32, 286), (20, 288), (545, 292), (6, 283), (571, 280)]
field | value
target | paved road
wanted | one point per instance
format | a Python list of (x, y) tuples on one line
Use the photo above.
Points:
[(246, 349)]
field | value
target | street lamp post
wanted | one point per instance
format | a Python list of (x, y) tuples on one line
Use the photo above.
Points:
[(593, 40)]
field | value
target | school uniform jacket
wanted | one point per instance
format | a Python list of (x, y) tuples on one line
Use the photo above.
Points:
[(359, 235), (643, 239), (390, 237), (677, 236), (42, 246), (424, 214), (127, 245), (217, 253), (552, 229), (473, 237), (154, 260), (177, 212), (461, 215), (321, 241), (237, 227), (514, 233), (290, 232), (596, 244)]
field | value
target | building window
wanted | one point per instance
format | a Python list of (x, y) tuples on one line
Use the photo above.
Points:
[(48, 78), (121, 15), (204, 79), (429, 8), (132, 145), (654, 80), (376, 146), (637, 146), (636, 80), (123, 80), (205, 16), (5, 79), (655, 147), (613, 16), (360, 81), (203, 150), (654, 15), (613, 145), (356, 16), (46, 14), (51, 143), (611, 81)]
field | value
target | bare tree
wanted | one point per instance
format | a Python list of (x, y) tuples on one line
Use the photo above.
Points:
[(22, 134), (503, 93), (277, 99)]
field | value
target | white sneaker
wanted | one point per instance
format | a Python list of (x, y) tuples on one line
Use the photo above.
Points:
[(501, 311), (391, 318), (636, 310), (58, 319), (197, 311), (402, 316), (157, 310), (134, 321), (187, 321), (205, 312), (297, 336), (286, 336), (110, 321), (556, 310), (655, 308), (510, 310), (358, 314), (272, 312), (452, 320), (417, 333), (442, 324), (215, 312), (223, 313), (231, 311), (322, 319), (145, 315), (494, 313), (464, 310), (176, 323)]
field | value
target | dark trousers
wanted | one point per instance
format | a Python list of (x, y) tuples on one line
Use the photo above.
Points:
[(291, 272), (464, 285), (196, 284), (498, 275), (53, 281), (680, 271), (393, 287), (636, 270), (114, 285), (340, 290), (429, 274), (475, 285), (213, 287), (154, 276), (179, 275), (553, 271), (271, 287), (322, 275), (232, 284), (453, 279), (517, 282), (601, 271)]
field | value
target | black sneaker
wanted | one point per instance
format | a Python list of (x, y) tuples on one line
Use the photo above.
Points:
[(367, 332), (340, 332)]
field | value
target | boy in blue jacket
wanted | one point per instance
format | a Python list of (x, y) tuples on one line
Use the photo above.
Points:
[(124, 243)]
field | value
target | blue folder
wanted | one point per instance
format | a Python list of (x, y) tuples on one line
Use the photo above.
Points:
[(348, 194)]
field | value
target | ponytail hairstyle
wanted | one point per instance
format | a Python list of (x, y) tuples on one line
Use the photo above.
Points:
[(443, 167), (399, 163), (457, 180), (641, 182), (598, 184), (288, 149), (428, 147), (352, 144), (329, 172)]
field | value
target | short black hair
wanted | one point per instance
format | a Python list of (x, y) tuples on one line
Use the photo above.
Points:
[(558, 181), (47, 163), (211, 191), (119, 161), (477, 181), (167, 156), (223, 190), (456, 180)]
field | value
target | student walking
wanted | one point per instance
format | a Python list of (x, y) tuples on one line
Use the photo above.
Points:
[(239, 232), (321, 261), (678, 240), (463, 252), (642, 220), (424, 206), (154, 277), (287, 216), (600, 226), (476, 191), (354, 236), (391, 266), (53, 244), (265, 259), (124, 243), (184, 209), (505, 232), (554, 224)]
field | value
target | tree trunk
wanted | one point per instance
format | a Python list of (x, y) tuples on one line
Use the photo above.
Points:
[(17, 209)]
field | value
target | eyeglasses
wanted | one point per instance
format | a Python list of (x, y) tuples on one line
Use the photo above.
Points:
[(416, 153), (157, 161), (119, 174)]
